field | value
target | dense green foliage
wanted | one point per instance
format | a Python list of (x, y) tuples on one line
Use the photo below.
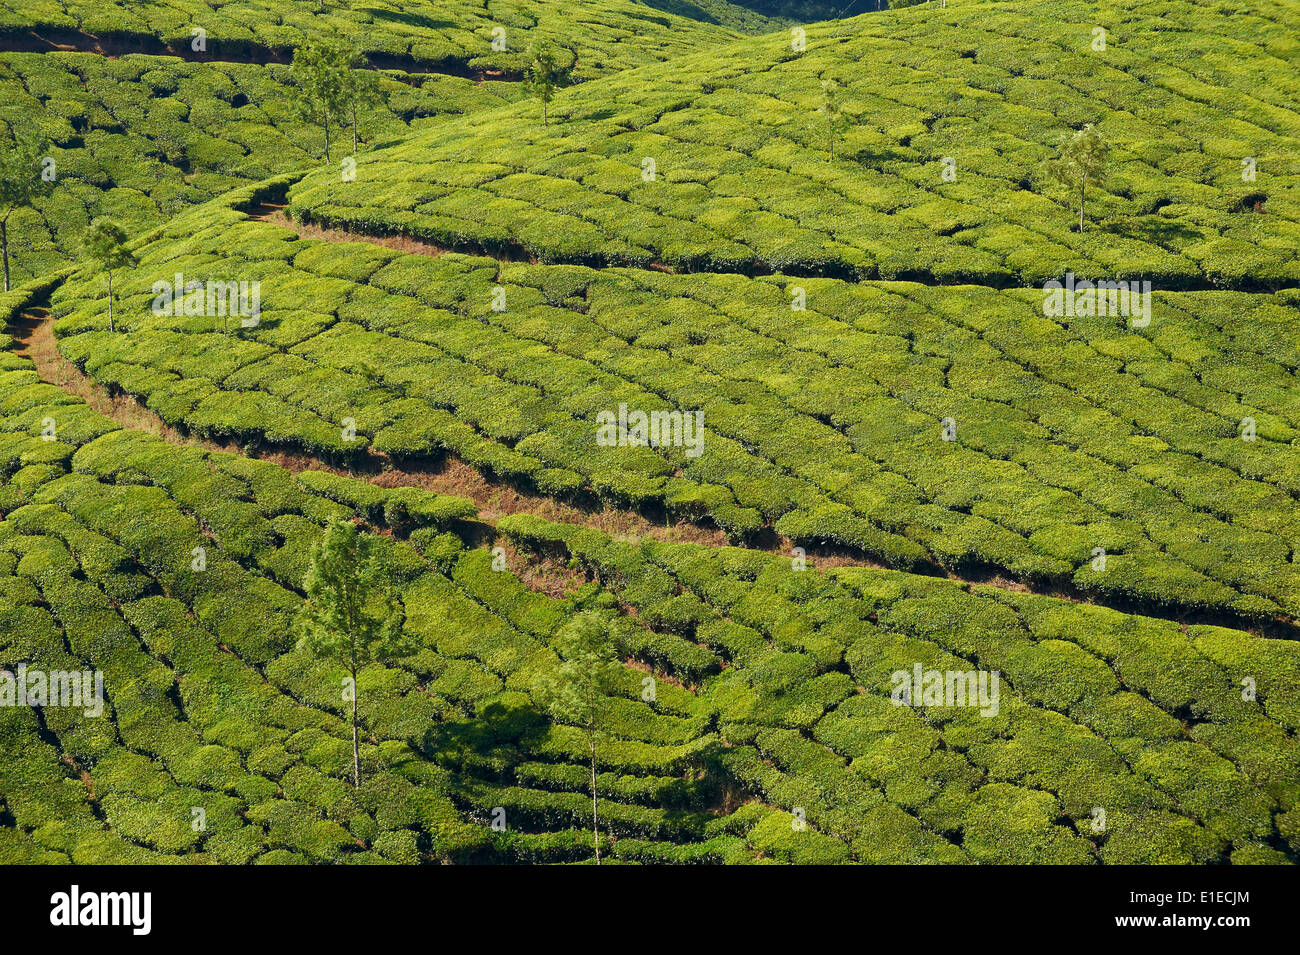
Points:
[(601, 35), (743, 16), (141, 138), (809, 11), (771, 685), (1185, 94), (1134, 715), (831, 252), (1071, 434), (213, 707)]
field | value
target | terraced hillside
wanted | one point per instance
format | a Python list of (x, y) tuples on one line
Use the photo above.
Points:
[(772, 700), (940, 574), (144, 137), (1184, 93), (602, 36), (213, 709), (1069, 435), (140, 136)]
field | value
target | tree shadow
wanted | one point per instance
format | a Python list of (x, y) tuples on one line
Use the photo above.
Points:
[(874, 155), (1164, 232), (497, 726), (410, 19)]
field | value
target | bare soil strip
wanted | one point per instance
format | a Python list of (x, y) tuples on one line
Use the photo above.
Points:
[(33, 334), (276, 215), (409, 244)]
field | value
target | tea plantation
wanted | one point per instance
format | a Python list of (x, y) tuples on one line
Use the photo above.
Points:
[(602, 36), (1070, 435), (946, 575), (772, 697), (941, 174), (213, 710), (143, 137)]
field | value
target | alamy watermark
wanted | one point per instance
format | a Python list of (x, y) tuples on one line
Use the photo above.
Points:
[(211, 299), (1129, 299), (79, 689), (129, 909), (922, 687), (656, 429)]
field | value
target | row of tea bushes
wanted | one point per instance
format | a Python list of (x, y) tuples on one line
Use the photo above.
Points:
[(941, 175), (210, 712), (769, 682), (1183, 738), (963, 428), (602, 36), (141, 137)]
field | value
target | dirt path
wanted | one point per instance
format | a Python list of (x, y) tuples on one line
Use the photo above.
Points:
[(34, 336), (276, 215), (513, 252)]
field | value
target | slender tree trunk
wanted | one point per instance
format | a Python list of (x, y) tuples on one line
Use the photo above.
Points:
[(110, 301), (1083, 188), (354, 128), (595, 815), (4, 241), (356, 749), (352, 668), (326, 124)]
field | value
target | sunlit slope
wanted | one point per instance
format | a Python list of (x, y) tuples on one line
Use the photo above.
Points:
[(1087, 692), (1190, 97), (603, 35), (141, 137), (210, 708), (774, 691), (957, 426)]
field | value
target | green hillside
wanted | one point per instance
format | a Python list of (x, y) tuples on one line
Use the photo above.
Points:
[(826, 424), (143, 138), (744, 182), (140, 136), (932, 561), (603, 35), (773, 691)]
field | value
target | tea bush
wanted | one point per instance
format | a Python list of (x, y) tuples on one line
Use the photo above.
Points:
[(1085, 453), (942, 175), (143, 137), (1093, 710), (451, 35)]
